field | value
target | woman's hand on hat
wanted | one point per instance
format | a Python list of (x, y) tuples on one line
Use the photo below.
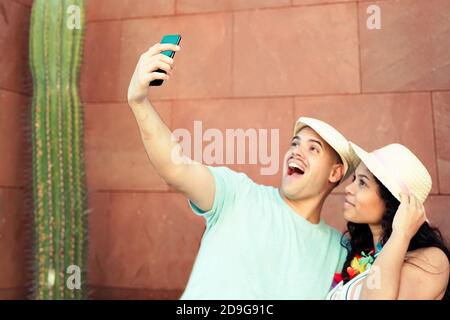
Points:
[(409, 217)]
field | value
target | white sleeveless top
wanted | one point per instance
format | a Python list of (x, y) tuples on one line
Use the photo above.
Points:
[(349, 291)]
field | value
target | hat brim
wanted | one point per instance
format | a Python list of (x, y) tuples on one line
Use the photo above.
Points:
[(375, 167)]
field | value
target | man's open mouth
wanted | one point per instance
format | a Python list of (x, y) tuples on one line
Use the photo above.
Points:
[(294, 169)]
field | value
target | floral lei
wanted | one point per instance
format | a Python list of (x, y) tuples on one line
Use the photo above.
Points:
[(359, 264)]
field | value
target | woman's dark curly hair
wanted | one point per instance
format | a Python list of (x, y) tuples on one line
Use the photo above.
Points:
[(361, 237)]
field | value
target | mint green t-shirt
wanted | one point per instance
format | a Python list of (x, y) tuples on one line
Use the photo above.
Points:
[(256, 247)]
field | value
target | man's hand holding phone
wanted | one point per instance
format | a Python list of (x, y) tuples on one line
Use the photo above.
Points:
[(148, 69)]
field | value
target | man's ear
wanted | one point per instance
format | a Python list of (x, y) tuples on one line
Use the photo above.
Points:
[(337, 172)]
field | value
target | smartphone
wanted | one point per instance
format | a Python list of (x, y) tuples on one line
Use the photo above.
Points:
[(168, 38)]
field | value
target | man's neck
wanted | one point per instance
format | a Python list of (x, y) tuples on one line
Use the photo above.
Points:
[(308, 208)]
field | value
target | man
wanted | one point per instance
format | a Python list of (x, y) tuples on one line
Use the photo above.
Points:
[(260, 242)]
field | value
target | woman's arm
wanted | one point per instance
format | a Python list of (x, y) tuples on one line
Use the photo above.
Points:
[(383, 281), (385, 277), (424, 276)]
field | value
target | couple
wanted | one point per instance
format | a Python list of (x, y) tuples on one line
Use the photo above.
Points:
[(262, 242)]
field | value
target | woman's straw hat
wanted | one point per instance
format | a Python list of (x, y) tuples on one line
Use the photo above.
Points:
[(398, 169)]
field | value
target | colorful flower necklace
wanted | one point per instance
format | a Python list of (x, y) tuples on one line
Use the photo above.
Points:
[(359, 264)]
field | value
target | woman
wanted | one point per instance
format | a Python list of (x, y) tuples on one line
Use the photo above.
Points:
[(393, 251)]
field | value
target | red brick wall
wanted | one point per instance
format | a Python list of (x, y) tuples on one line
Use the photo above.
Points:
[(15, 92), (243, 64), (250, 64)]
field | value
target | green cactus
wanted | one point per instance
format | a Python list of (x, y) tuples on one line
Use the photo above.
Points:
[(59, 189)]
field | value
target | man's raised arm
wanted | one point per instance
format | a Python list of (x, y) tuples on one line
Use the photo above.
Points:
[(191, 178)]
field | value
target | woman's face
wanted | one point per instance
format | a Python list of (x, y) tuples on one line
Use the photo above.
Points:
[(363, 203)]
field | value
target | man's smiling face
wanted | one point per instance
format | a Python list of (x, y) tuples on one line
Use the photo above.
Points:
[(310, 166)]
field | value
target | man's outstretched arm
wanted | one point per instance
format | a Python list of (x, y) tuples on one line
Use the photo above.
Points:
[(191, 178)]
